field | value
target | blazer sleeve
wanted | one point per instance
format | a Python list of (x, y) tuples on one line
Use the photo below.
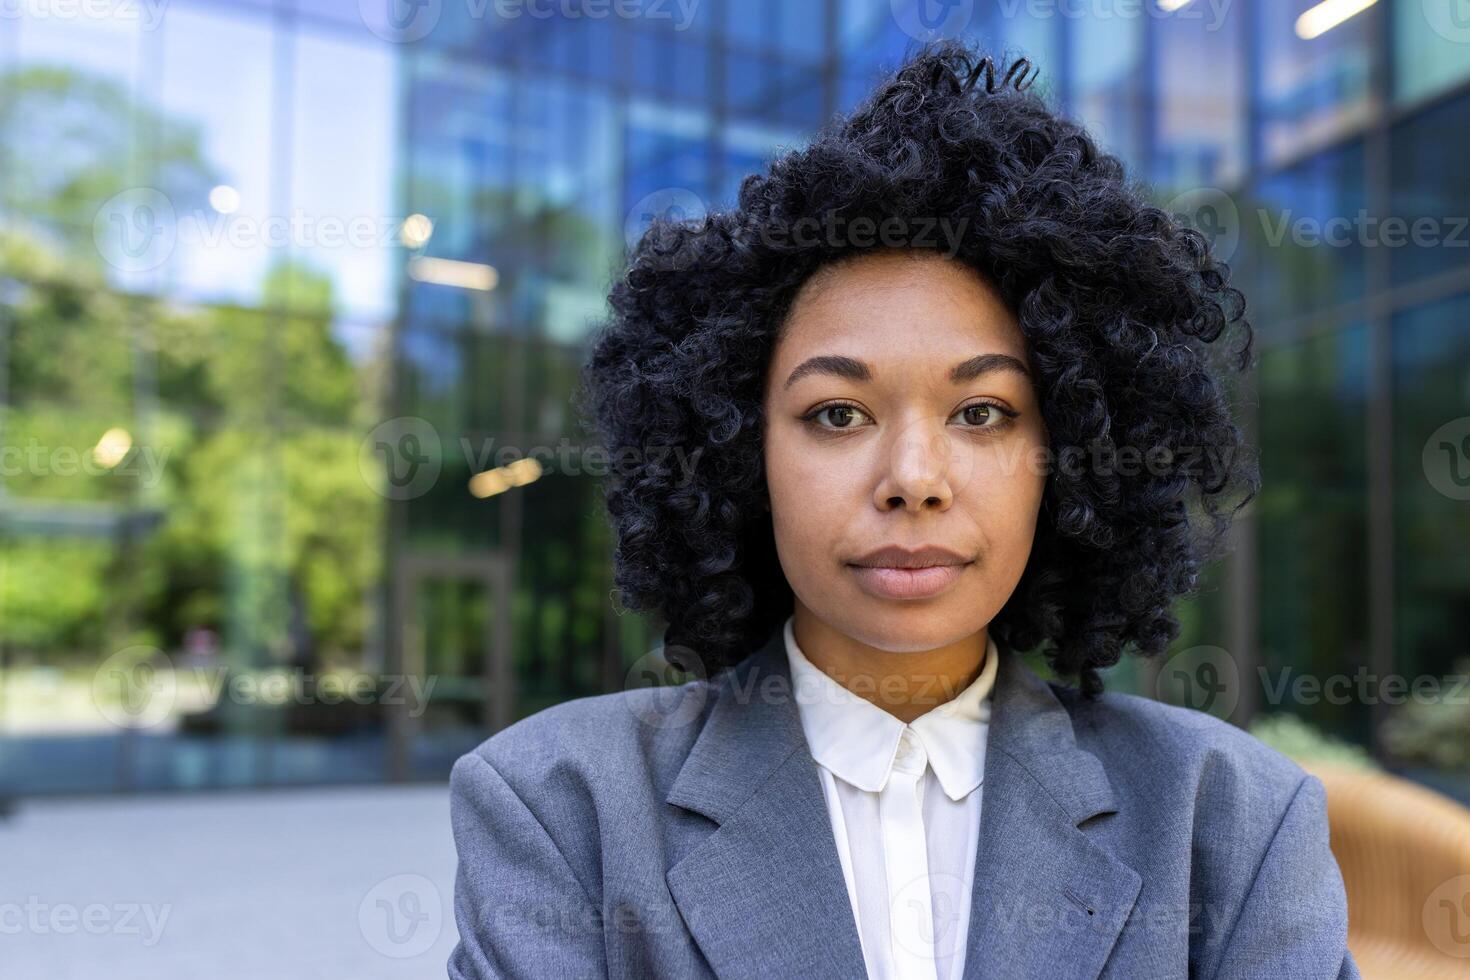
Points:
[(519, 908), (1293, 921)]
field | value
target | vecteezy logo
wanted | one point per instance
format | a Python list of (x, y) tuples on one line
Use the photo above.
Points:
[(135, 230), (135, 687), (1204, 678), (401, 916), (401, 458), (928, 905), (1211, 212), (1446, 459), (676, 204), (1450, 19), (400, 21), (1446, 917), (929, 20), (673, 703)]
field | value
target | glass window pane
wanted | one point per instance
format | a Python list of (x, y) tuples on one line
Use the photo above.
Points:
[(786, 30), (460, 159), (457, 379), (217, 79), (1301, 233), (559, 596), (1310, 89), (1429, 48), (1428, 194), (871, 45), (565, 234), (1431, 426), (1200, 125), (667, 149), (344, 168), (1105, 72), (666, 67), (70, 122), (1431, 357), (114, 48), (1312, 519), (746, 149), (802, 30), (860, 21), (774, 90)]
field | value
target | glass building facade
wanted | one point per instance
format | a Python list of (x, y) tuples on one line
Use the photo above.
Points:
[(294, 293)]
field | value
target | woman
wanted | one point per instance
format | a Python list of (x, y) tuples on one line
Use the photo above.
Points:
[(943, 380)]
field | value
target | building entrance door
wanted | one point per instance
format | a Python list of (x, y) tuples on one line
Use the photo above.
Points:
[(454, 665)]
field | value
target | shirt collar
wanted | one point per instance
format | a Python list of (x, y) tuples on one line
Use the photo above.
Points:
[(857, 740)]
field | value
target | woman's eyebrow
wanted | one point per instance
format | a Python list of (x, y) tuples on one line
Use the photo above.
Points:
[(838, 365), (986, 363), (853, 369)]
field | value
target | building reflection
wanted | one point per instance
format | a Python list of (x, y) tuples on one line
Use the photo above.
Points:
[(293, 296)]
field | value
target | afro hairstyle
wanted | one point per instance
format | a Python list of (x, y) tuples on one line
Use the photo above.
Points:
[(1117, 301)]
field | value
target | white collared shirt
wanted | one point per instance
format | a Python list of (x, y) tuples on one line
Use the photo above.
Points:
[(904, 800)]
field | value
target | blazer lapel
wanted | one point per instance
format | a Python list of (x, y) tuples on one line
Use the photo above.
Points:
[(763, 894), (1048, 900)]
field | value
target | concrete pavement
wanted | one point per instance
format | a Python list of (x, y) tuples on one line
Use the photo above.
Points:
[(351, 883)]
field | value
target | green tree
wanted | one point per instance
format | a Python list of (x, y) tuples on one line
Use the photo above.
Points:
[(244, 421)]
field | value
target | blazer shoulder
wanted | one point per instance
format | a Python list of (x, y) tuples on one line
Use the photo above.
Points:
[(1146, 738), (599, 735)]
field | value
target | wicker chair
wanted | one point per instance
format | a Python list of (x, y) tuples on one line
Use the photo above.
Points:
[(1402, 850)]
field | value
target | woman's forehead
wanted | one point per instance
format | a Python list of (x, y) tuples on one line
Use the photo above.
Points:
[(887, 307)]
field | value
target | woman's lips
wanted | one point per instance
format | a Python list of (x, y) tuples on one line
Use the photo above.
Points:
[(906, 583)]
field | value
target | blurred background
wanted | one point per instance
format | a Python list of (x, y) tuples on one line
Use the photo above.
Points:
[(293, 296)]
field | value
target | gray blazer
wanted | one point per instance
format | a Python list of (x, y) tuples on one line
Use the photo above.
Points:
[(682, 832)]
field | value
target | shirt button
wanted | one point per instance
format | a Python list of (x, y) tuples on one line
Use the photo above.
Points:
[(911, 756)]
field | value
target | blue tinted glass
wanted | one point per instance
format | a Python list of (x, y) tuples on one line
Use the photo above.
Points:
[(667, 67), (1426, 231), (746, 148), (872, 45), (750, 23), (667, 153), (1429, 42), (801, 29), (760, 87), (1105, 69), (1310, 88), (1199, 117), (1304, 235)]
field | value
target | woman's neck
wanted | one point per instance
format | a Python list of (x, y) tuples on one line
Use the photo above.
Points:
[(904, 684)]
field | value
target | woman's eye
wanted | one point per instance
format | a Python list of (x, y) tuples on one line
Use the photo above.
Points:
[(981, 415), (838, 416), (985, 415)]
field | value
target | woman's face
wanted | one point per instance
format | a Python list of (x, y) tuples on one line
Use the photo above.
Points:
[(900, 413)]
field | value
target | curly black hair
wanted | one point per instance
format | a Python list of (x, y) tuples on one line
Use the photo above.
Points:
[(1115, 298)]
